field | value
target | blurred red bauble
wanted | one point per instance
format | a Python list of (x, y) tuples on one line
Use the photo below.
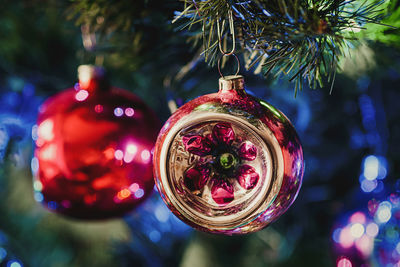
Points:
[(93, 156), (228, 163)]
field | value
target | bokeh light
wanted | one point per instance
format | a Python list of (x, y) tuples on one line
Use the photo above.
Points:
[(81, 95), (14, 263), (155, 236), (372, 229), (34, 165), (365, 245), (139, 193), (344, 262), (129, 112), (3, 254), (374, 168), (134, 187), (118, 112), (358, 217), (131, 149), (123, 194), (336, 235), (357, 234), (145, 155), (357, 230), (130, 153), (368, 186), (371, 167), (119, 155), (98, 108), (38, 196), (346, 238), (384, 213), (45, 130)]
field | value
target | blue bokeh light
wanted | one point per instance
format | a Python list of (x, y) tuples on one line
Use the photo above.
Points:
[(52, 205), (118, 112), (373, 168), (14, 263), (3, 254), (384, 212)]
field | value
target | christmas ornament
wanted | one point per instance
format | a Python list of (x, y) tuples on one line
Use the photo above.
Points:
[(227, 162), (94, 145)]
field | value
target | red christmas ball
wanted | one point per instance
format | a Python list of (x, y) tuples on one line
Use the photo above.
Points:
[(93, 156), (227, 162)]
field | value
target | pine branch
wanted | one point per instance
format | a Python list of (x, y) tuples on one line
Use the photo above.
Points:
[(301, 39), (126, 32)]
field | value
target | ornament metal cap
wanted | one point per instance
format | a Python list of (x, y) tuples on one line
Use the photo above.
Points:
[(92, 78), (232, 82)]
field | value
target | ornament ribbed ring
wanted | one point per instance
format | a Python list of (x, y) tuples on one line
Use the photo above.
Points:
[(219, 62)]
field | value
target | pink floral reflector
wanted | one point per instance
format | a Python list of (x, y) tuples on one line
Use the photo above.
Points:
[(247, 177), (222, 192), (228, 154), (196, 178)]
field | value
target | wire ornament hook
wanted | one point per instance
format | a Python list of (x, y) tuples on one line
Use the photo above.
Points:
[(88, 37), (223, 52), (232, 30), (219, 63), (89, 41)]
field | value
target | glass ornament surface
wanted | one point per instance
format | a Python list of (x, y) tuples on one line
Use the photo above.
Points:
[(93, 156), (228, 163)]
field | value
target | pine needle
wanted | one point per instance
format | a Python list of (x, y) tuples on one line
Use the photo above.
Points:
[(300, 38)]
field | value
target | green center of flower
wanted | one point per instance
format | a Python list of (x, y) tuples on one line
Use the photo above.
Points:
[(227, 161)]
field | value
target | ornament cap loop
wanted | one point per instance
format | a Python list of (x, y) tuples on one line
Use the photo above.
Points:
[(219, 63), (233, 82)]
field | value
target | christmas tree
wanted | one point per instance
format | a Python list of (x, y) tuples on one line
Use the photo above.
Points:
[(333, 67)]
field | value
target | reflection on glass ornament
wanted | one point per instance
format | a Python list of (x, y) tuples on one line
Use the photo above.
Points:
[(227, 162), (92, 159)]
